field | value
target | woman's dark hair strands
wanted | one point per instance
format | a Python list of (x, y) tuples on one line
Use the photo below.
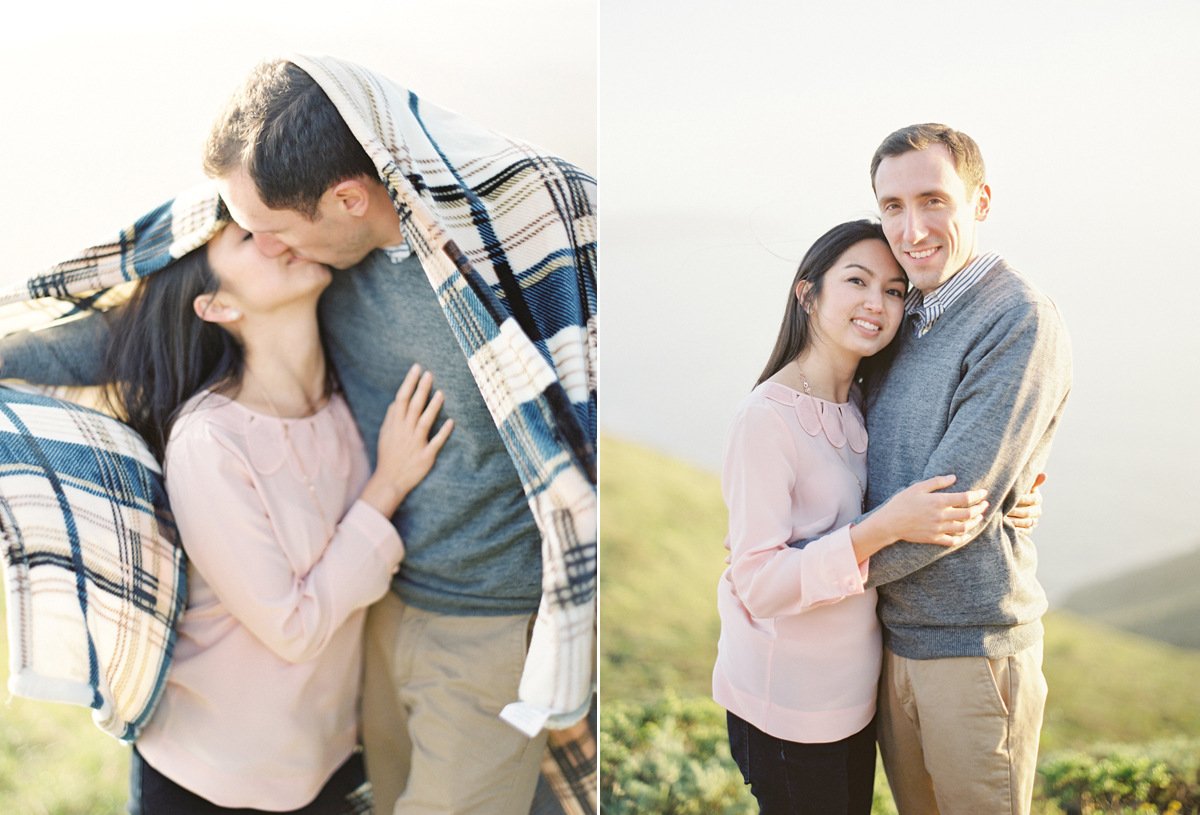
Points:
[(160, 353)]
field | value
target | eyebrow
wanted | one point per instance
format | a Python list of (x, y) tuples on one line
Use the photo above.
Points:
[(934, 193), (870, 271)]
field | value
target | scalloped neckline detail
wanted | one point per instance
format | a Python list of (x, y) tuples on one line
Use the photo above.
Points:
[(840, 422)]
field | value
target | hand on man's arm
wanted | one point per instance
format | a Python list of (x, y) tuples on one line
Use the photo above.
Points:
[(998, 426)]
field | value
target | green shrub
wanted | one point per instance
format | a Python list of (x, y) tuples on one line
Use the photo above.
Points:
[(1160, 777), (669, 757)]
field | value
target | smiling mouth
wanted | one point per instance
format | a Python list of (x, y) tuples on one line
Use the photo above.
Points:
[(867, 326), (921, 255)]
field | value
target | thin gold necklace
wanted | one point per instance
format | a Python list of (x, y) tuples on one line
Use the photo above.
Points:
[(862, 493), (287, 437)]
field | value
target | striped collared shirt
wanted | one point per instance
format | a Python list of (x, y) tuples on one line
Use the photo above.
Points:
[(925, 309)]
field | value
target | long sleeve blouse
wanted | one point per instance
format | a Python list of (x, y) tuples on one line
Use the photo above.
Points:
[(800, 645), (260, 704)]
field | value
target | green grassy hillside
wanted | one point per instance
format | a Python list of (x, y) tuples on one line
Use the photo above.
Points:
[(1161, 601), (53, 760), (662, 527)]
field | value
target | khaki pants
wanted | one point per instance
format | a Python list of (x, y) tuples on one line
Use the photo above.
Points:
[(433, 688), (960, 736)]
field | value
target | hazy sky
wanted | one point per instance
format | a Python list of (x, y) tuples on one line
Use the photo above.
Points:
[(733, 135), (108, 104)]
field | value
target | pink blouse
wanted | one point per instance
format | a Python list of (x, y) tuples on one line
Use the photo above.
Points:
[(260, 704), (800, 645)]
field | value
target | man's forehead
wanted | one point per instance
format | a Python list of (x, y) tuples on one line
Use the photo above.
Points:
[(247, 209), (931, 169)]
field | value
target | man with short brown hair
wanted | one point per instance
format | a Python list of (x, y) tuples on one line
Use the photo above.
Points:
[(980, 376), (449, 648)]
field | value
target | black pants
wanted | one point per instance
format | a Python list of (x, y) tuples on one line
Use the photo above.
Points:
[(789, 778), (152, 793)]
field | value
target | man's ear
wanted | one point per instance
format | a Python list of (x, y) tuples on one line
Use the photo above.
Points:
[(984, 203), (351, 197), (212, 310)]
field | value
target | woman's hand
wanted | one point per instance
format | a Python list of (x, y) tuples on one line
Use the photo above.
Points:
[(406, 452), (922, 515)]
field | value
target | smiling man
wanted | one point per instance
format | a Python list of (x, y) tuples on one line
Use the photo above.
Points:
[(981, 373)]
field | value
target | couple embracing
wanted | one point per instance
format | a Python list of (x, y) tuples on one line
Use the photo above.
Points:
[(863, 600), (398, 452)]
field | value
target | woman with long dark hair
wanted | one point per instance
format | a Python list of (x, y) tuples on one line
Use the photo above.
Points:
[(218, 363), (800, 644)]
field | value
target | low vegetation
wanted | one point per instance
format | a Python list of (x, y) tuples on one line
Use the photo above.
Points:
[(1120, 733)]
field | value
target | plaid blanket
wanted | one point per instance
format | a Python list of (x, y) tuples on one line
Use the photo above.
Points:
[(507, 237), (94, 579)]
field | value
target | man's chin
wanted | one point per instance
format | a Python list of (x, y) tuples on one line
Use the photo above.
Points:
[(344, 262), (926, 279)]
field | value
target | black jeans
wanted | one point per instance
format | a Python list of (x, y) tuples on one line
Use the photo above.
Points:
[(790, 778), (152, 793)]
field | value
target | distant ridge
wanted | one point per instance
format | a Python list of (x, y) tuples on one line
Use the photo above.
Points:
[(1161, 601)]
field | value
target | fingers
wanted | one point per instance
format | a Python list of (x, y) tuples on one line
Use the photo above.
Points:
[(958, 521), (962, 499), (970, 516), (938, 482), (416, 407), (427, 416), (955, 533), (412, 400), (1033, 498), (408, 385), (420, 394), (439, 438), (1039, 481)]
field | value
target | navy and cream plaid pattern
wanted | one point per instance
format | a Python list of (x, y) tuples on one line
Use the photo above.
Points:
[(94, 579), (923, 310), (506, 234)]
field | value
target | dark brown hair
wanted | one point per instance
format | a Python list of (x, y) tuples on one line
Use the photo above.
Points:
[(160, 353), (968, 161), (288, 135)]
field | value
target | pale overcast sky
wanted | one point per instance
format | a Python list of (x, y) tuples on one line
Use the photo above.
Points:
[(107, 104), (732, 135)]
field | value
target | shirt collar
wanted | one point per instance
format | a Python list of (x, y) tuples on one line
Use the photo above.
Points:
[(927, 308)]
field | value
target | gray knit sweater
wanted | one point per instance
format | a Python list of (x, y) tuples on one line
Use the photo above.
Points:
[(979, 396)]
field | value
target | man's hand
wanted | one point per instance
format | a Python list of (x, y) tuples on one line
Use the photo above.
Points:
[(1028, 510)]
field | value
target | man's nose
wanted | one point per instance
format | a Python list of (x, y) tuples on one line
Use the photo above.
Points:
[(269, 245), (914, 228)]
